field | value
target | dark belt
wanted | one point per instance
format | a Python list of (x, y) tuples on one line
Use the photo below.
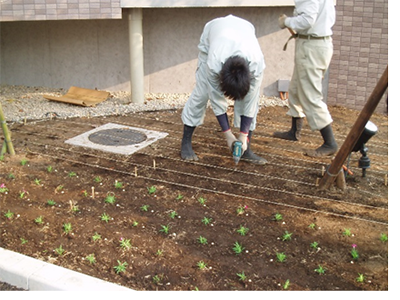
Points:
[(307, 37)]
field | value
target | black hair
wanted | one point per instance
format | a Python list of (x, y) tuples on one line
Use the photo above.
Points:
[(235, 78)]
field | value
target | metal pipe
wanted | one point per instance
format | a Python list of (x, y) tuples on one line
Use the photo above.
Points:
[(136, 55)]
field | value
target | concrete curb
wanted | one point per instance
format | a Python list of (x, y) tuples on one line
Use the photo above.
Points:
[(34, 275)]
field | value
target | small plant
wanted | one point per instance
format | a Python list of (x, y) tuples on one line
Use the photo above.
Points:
[(118, 185), (314, 245), (312, 226), (384, 237), (354, 252), (60, 251), (85, 193), (347, 232), (67, 227), (241, 210), (121, 267), (151, 190), (201, 265), (145, 208), (105, 217), (237, 248), (242, 276), (22, 194), (91, 259), (173, 214), (39, 220), (96, 237), (51, 202), (110, 198), (9, 215), (157, 279), (287, 236), (97, 179), (360, 278), (73, 206), (3, 188), (125, 244), (49, 169), (71, 174), (164, 229), (23, 241), (278, 217), (320, 270), (202, 201), (11, 176), (242, 230), (286, 284), (179, 197), (37, 181), (135, 223), (281, 257), (24, 162), (206, 221), (159, 252), (202, 240)]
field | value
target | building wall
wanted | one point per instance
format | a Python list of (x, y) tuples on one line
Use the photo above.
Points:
[(360, 52)]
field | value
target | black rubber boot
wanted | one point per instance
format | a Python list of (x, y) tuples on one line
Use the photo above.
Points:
[(329, 147), (250, 156), (294, 133), (187, 152)]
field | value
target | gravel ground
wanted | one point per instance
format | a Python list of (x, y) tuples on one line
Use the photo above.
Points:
[(23, 103)]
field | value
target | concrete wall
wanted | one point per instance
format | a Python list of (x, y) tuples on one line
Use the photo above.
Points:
[(95, 53)]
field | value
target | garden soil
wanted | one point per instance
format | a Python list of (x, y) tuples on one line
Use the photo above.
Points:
[(180, 220)]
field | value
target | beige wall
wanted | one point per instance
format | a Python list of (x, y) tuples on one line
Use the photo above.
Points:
[(95, 53)]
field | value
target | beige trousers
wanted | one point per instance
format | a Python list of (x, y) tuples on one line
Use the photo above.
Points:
[(312, 59)]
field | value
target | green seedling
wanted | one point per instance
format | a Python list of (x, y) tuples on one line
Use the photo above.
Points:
[(314, 245), (159, 252), (9, 215), (49, 169), (151, 190), (278, 217), (73, 206), (22, 194), (24, 162), (202, 240), (11, 176), (91, 259), (97, 179), (281, 257), (238, 248), (37, 181), (287, 236), (164, 229), (201, 265), (384, 237), (135, 223), (85, 193), (110, 198), (3, 188), (145, 208), (241, 210), (67, 227), (312, 226), (242, 230), (354, 252), (173, 214), (242, 276), (286, 284), (39, 220), (23, 241), (96, 237), (202, 201), (118, 185), (105, 217), (157, 279), (320, 270), (72, 174), (51, 202), (206, 221), (121, 267), (360, 278), (347, 232), (125, 244), (179, 197), (60, 251)]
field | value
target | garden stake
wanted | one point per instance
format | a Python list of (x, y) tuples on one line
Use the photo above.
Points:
[(154, 164), (7, 145), (135, 171), (92, 192)]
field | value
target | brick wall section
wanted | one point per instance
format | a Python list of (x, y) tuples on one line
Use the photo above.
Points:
[(360, 52), (29, 10)]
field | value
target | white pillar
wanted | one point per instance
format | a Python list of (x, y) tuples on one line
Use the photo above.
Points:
[(136, 54)]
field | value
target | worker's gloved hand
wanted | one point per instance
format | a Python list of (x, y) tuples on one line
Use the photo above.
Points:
[(243, 138), (281, 21), (230, 138)]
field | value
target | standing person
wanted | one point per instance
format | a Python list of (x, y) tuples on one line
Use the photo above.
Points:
[(313, 21), (230, 64)]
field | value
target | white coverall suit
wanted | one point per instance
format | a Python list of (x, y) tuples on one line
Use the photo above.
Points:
[(312, 18), (222, 38)]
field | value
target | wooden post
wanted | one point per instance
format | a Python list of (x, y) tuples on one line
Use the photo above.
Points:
[(355, 133), (7, 136)]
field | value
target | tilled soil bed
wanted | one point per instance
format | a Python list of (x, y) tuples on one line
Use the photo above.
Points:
[(173, 225)]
